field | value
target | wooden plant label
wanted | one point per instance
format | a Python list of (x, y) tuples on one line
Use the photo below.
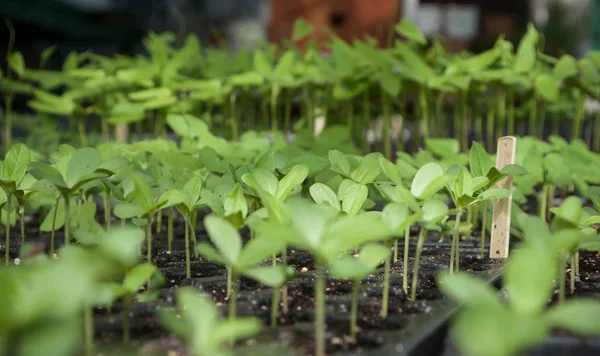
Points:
[(500, 236)]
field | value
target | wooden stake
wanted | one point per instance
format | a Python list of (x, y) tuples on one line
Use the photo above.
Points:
[(500, 236)]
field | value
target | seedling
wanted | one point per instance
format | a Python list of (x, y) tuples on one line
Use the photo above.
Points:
[(12, 172), (318, 229), (191, 190), (81, 167), (357, 269), (200, 326), (229, 252)]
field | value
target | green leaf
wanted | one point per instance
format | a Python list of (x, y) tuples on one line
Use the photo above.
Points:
[(525, 57), (207, 251), (43, 171), (150, 94), (261, 63), (261, 179), (368, 169), (139, 275), (15, 163), (469, 291), (350, 231), (16, 62), (529, 279), (293, 179), (568, 214), (143, 193), (424, 177), (479, 160), (236, 202), (494, 193), (565, 68), (339, 163), (513, 170), (301, 29), (225, 237), (193, 190), (128, 210), (84, 162), (232, 329), (258, 249), (434, 211), (354, 198), (409, 29), (463, 185), (391, 170), (272, 276), (547, 87), (578, 315), (443, 147), (310, 220), (322, 194)]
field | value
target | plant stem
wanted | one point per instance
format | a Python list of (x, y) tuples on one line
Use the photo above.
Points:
[(67, 219), (170, 230), (284, 291), (233, 297), (159, 222), (424, 112), (149, 238), (275, 306), (484, 214), (501, 117), (104, 129), (597, 133), (366, 111), (543, 201), (125, 318), (88, 320), (395, 251), (420, 242), (572, 284), (454, 244), (510, 101), (234, 119), (22, 219), (556, 123), (53, 227), (7, 230), (187, 228), (489, 126), (78, 203), (533, 115), (354, 309), (464, 101), (309, 109), (405, 262), (578, 116), (386, 287), (274, 109), (287, 114), (387, 123), (82, 134), (229, 281), (320, 309), (107, 208)]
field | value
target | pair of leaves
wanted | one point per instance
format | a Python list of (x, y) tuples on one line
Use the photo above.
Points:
[(350, 197), (367, 171), (14, 167), (357, 268)]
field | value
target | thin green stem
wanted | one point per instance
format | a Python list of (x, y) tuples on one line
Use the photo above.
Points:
[(572, 284), (53, 227), (454, 244), (149, 239), (484, 214), (501, 116), (366, 113), (67, 226), (320, 309), (170, 230), (511, 111), (489, 126), (106, 197), (579, 115), (229, 281), (387, 126), (420, 242), (597, 133), (395, 251), (464, 122), (159, 222), (275, 306), (424, 108), (354, 309), (287, 115), (405, 261), (187, 229), (284, 291), (562, 279), (7, 230), (543, 201), (386, 287), (233, 297), (22, 219), (82, 134), (125, 318), (234, 119), (533, 116)]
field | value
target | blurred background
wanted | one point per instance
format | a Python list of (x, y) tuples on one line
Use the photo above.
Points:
[(118, 26)]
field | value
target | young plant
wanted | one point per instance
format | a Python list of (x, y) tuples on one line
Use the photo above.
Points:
[(485, 325), (134, 279), (197, 322), (145, 205), (76, 170), (12, 172), (191, 190), (355, 270), (229, 252), (319, 230)]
